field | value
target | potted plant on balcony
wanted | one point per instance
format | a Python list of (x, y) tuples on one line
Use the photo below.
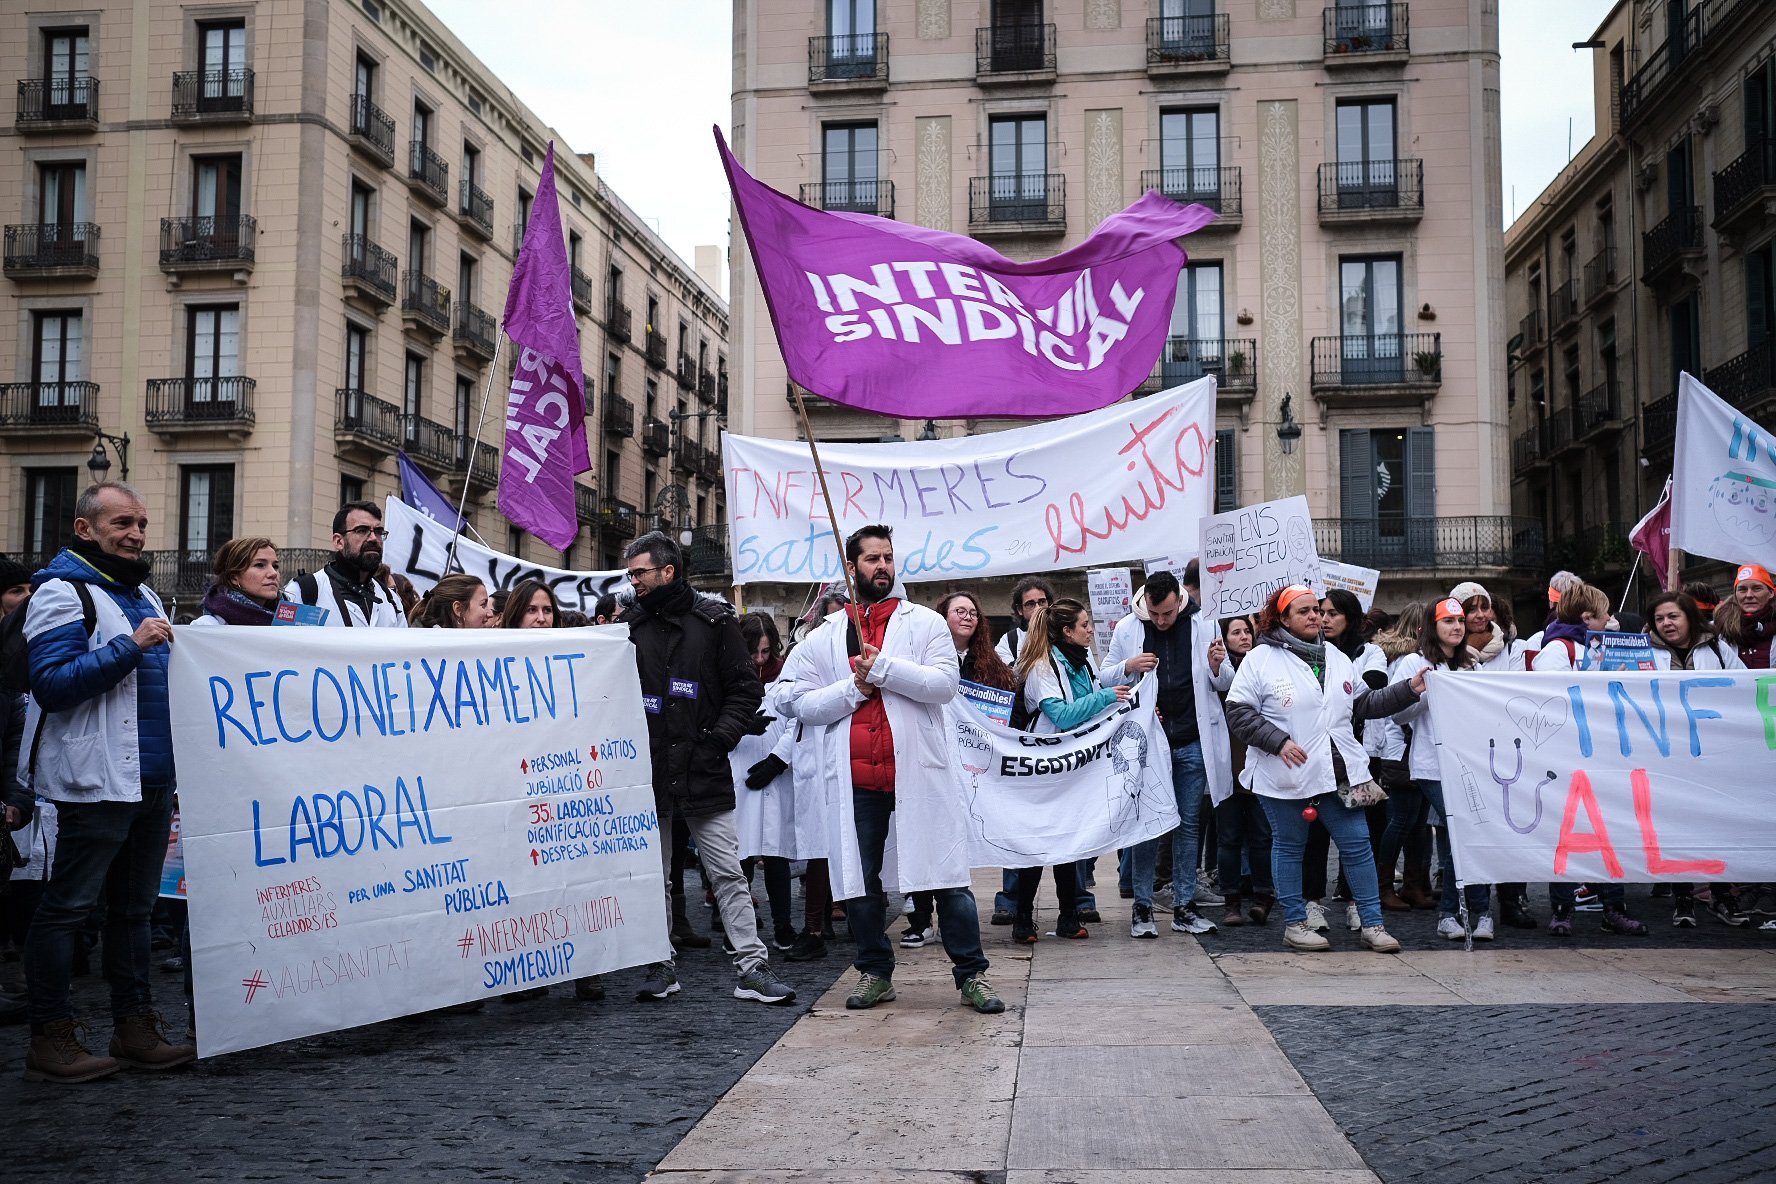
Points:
[(1236, 362), (1427, 362)]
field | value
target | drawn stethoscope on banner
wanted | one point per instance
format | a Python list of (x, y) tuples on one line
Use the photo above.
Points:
[(1505, 784)]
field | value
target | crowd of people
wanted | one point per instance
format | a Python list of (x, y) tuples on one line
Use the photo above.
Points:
[(1290, 732)]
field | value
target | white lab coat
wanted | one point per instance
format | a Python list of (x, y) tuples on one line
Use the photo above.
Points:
[(1284, 691), (1421, 761), (917, 673), (770, 821), (1129, 639), (1004, 650), (385, 613), (1720, 656)]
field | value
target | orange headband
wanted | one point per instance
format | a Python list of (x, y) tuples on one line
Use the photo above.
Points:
[(1450, 607), (1290, 595), (1755, 571)]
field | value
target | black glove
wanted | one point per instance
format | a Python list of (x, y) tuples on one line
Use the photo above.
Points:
[(765, 772), (759, 724)]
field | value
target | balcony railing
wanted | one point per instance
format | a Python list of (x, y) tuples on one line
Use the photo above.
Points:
[(1748, 381), (218, 95), (1596, 408), (1216, 188), (707, 552), (476, 331), (372, 129), (1593, 549), (369, 269), (367, 419), (65, 248), (1358, 187), (619, 417), (1668, 242), (49, 406), (618, 518), (429, 441), (721, 390), (656, 436), (1018, 201), (1600, 274), (1378, 359), (616, 320), (1234, 363), (200, 403), (687, 371), (705, 384), (1014, 49), (1186, 41), (711, 469), (485, 472), (208, 241), (426, 301), (1741, 187), (1461, 544), (1530, 328), (1663, 65), (430, 172), (54, 104), (1528, 449), (848, 58), (581, 283), (1355, 30), (853, 197), (477, 207), (586, 504), (1563, 304), (687, 458), (1658, 429), (656, 348)]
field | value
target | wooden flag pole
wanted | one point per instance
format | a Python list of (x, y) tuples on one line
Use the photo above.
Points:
[(832, 518)]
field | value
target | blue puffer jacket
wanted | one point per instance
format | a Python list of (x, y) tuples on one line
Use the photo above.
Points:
[(65, 671)]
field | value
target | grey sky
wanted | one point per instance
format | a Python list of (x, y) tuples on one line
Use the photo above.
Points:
[(640, 84)]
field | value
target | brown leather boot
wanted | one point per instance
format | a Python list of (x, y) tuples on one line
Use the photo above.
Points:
[(1390, 900), (58, 1056), (140, 1042)]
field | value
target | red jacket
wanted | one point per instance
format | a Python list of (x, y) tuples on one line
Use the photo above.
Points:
[(872, 741)]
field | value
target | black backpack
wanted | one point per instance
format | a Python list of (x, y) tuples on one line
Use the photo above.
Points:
[(15, 660)]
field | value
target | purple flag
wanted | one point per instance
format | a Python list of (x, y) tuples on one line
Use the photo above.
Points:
[(546, 410), (917, 323), (418, 491)]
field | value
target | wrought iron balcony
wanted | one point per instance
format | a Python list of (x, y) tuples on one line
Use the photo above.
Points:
[(1233, 362), (1371, 190), (1666, 245), (721, 390), (213, 96), (619, 417), (57, 105), (368, 270), (1600, 275), (47, 251), (1184, 44), (687, 458), (656, 436), (49, 407), (581, 283), (1531, 328), (1459, 545), (1596, 408), (1744, 190), (431, 442), (209, 243), (477, 208), (1216, 188), (656, 348), (1356, 33), (1658, 428), (1018, 203), (425, 303), (485, 472), (1663, 66), (1528, 450), (705, 384), (1602, 548), (585, 503), (852, 197), (1563, 304), (711, 468), (618, 518), (372, 130), (1748, 381), (617, 320), (476, 334), (1014, 52), (707, 552), (1378, 359), (200, 404), (687, 371), (367, 421), (428, 174), (848, 61)]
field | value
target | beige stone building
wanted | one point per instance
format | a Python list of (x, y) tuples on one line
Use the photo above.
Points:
[(269, 242), (1349, 299), (1651, 254)]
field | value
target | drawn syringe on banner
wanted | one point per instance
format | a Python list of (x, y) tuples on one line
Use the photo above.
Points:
[(1471, 787)]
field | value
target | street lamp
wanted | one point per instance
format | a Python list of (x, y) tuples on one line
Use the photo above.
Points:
[(1288, 431), (98, 464)]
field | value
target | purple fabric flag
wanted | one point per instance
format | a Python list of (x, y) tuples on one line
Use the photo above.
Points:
[(918, 323), (418, 491), (546, 410)]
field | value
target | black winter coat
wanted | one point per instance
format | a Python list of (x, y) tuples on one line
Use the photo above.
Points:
[(700, 694)]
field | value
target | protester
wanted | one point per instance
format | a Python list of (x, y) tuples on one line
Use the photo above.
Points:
[(1163, 631), (456, 602), (15, 585), (817, 901), (17, 803), (1240, 825), (892, 749), (825, 604), (1582, 608), (1559, 584), (406, 595), (1747, 619), (347, 587), (1386, 741), (102, 731), (768, 836), (1341, 624), (1027, 595), (701, 696), (530, 605), (604, 610), (1293, 702), (245, 589)]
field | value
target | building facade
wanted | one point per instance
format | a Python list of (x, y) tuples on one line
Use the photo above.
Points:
[(1649, 256), (269, 242), (1348, 299)]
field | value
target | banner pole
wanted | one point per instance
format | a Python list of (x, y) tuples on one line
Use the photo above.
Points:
[(480, 420), (1627, 591), (1674, 578), (832, 518)]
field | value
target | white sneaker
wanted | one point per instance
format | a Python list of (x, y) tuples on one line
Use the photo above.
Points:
[(1353, 920), (1451, 928), (1141, 922), (1316, 917), (1483, 928), (1299, 937), (1380, 940), (906, 906)]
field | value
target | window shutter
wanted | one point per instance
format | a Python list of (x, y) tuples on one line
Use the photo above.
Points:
[(1421, 496), (1757, 301), (1226, 474), (1356, 484)]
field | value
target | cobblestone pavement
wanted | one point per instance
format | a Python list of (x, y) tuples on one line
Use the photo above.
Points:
[(1640, 1093)]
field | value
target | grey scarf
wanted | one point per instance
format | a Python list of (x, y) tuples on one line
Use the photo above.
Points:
[(1311, 652)]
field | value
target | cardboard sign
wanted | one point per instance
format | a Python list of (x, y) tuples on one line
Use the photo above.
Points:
[(1358, 581), (1110, 590), (1250, 552), (1617, 651), (294, 613), (993, 704)]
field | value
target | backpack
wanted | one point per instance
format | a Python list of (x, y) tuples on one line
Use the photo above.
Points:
[(15, 660)]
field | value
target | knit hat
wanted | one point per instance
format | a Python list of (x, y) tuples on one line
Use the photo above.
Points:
[(1466, 589), (13, 573)]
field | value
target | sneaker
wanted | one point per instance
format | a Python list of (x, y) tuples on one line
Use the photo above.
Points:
[(1380, 940), (1316, 917), (661, 982), (58, 1055), (1726, 910), (1162, 897), (1450, 928), (1092, 916), (906, 906), (979, 994), (1353, 920), (1188, 920), (139, 1041), (1483, 928), (1761, 901), (808, 947), (761, 986), (1660, 891), (1068, 925), (1619, 922), (913, 939), (1683, 913), (1141, 922), (1206, 892), (1002, 917), (1768, 926), (589, 989), (870, 990), (1587, 901), (1023, 929), (783, 938), (1297, 936), (1560, 923)]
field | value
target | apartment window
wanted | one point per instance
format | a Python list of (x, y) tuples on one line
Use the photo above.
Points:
[(650, 486), (684, 338), (65, 62), (212, 351), (1570, 374), (357, 354), (1226, 472), (1606, 358), (216, 193), (1760, 298), (1018, 158), (361, 222), (471, 164), (1364, 18), (1195, 346), (1187, 26), (58, 357), (1759, 93), (851, 18), (612, 365), (413, 394), (514, 539), (1366, 171), (351, 489), (1538, 392), (573, 249), (1617, 73), (61, 195), (613, 471), (525, 198), (206, 508), (1387, 494), (466, 274), (613, 284), (1370, 316), (1190, 154), (652, 397), (653, 317), (419, 247), (49, 508), (1680, 181), (422, 125), (222, 58), (364, 77), (1684, 320), (848, 167), (465, 405)]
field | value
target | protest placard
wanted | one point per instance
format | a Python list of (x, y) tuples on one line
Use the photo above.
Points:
[(380, 826), (1360, 582), (172, 872), (1606, 777), (993, 704), (1250, 552), (1113, 486), (418, 547), (1110, 590), (1607, 650)]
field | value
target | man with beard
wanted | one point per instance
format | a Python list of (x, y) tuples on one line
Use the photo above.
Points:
[(347, 587)]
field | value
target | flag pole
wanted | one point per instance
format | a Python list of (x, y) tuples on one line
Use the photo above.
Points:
[(826, 495), (1629, 590), (480, 421)]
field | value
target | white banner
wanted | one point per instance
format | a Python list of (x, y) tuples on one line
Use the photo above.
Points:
[(1111, 486), (1035, 801), (418, 547), (444, 816), (1610, 777), (1250, 552), (1110, 590), (1360, 582), (1723, 487)]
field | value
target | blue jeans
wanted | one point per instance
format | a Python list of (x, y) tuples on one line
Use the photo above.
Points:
[(1189, 782), (1242, 828), (1288, 844), (117, 848), (958, 924), (1479, 895)]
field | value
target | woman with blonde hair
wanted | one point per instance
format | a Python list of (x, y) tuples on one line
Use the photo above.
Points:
[(246, 589)]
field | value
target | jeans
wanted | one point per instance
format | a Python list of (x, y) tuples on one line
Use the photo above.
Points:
[(1479, 895), (718, 847), (958, 924), (1005, 900), (1288, 843), (1087, 898), (1242, 828), (115, 849), (1190, 782)]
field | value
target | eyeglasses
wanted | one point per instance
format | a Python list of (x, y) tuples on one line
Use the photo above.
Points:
[(635, 573), (1043, 603), (367, 532), (967, 614)]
